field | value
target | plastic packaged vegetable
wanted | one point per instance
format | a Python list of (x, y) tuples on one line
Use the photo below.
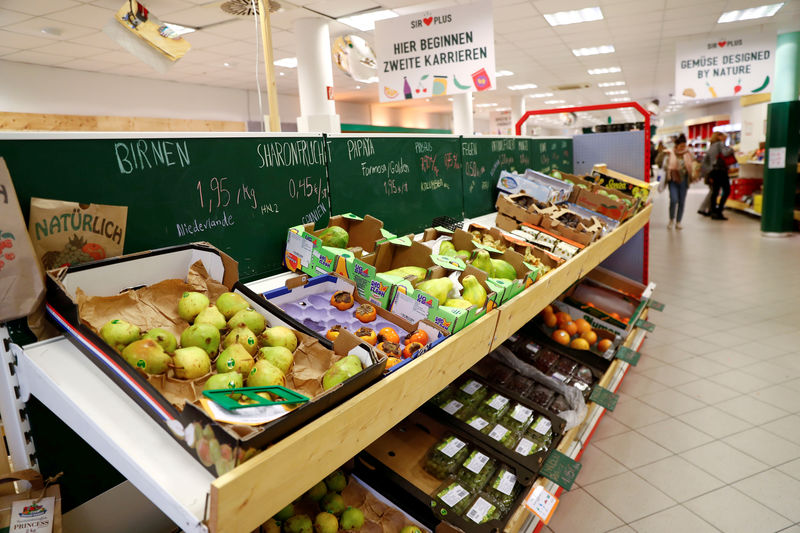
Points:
[(445, 457), (476, 470)]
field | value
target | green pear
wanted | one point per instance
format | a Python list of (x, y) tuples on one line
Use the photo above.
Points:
[(336, 482), (473, 291), (484, 261), (447, 248), (352, 519), (411, 529), (147, 355), (248, 318), (318, 491), (326, 523), (464, 255), (265, 374), (286, 513), (298, 524), (119, 333), (277, 355), (211, 315), (227, 380), (203, 336), (235, 358), (279, 336), (242, 336), (332, 503), (190, 305), (191, 363), (340, 371), (164, 338), (230, 303), (271, 526)]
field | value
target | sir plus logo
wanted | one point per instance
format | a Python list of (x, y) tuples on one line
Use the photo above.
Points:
[(439, 321), (421, 298), (325, 262), (378, 289), (724, 44), (431, 21), (360, 270)]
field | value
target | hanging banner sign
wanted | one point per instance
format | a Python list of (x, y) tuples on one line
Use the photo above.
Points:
[(437, 52), (500, 122), (729, 65)]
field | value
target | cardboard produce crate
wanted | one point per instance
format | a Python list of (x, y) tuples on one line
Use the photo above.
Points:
[(173, 402)]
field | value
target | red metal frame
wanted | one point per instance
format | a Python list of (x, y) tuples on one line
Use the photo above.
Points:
[(646, 174)]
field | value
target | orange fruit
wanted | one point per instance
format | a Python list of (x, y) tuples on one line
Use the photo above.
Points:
[(561, 336), (391, 361), (590, 337), (550, 320), (548, 309), (563, 318), (579, 344), (570, 327), (604, 344), (583, 326)]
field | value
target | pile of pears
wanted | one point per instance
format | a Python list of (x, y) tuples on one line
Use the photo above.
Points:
[(231, 332), (333, 515)]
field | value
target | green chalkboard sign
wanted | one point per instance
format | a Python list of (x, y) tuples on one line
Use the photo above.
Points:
[(629, 356), (484, 159), (551, 154), (655, 305), (645, 325), (405, 181), (560, 469), (604, 398), (240, 193)]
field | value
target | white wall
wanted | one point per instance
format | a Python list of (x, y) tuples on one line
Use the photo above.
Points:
[(754, 120)]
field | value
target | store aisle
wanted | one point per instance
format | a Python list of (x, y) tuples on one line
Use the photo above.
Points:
[(706, 435)]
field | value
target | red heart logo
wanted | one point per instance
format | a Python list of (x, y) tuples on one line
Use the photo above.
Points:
[(721, 43), (428, 21)]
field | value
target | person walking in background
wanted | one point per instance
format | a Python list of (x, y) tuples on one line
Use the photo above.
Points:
[(705, 173), (678, 164), (717, 159)]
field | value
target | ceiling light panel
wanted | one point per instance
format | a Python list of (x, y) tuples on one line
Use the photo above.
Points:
[(286, 62), (551, 102), (501, 73), (750, 13), (366, 21), (623, 99), (577, 16), (594, 50), (611, 84), (608, 70), (522, 87), (614, 93), (539, 95)]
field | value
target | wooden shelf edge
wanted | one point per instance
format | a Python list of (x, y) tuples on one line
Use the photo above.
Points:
[(244, 498)]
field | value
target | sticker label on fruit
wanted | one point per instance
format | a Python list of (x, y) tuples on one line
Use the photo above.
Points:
[(480, 510), (452, 407), (506, 482), (476, 462), (454, 495), (471, 387), (452, 447)]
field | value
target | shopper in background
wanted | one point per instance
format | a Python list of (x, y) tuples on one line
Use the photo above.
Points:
[(678, 164), (705, 173), (717, 159)]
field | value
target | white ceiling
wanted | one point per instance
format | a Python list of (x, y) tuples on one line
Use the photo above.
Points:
[(644, 33)]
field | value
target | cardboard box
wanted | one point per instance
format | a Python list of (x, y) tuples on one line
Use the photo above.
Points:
[(512, 206), (369, 271), (414, 304), (114, 278), (527, 275), (305, 252), (587, 194), (301, 294), (540, 186), (617, 181), (585, 232), (550, 240)]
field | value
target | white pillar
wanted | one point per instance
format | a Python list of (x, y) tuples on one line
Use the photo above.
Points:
[(517, 110), (462, 114), (314, 76)]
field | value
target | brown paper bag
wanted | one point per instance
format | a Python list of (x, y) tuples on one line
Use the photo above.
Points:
[(69, 233), (21, 275)]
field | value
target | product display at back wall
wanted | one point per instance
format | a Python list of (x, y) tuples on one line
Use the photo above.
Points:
[(241, 194)]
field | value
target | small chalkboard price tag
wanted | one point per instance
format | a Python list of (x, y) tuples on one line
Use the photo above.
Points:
[(644, 324), (604, 397), (560, 469), (656, 306), (629, 356)]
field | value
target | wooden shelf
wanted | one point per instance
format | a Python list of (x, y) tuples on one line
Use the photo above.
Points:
[(254, 491)]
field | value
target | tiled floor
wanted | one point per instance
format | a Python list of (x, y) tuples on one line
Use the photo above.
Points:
[(706, 435)]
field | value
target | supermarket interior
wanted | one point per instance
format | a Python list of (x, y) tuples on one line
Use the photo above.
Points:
[(399, 266)]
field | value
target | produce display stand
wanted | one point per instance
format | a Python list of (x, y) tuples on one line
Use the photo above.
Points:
[(575, 440), (67, 383)]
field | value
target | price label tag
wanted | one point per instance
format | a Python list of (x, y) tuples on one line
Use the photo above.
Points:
[(629, 356), (455, 495), (452, 407), (521, 413), (498, 402), (657, 306), (300, 248), (479, 423), (453, 447), (542, 426), (541, 503), (524, 447), (32, 516), (498, 432), (604, 398), (476, 462), (471, 387), (409, 308), (644, 324), (480, 509), (560, 469), (505, 483)]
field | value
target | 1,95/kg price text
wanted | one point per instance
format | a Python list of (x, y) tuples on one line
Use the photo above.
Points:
[(392, 188), (217, 195)]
